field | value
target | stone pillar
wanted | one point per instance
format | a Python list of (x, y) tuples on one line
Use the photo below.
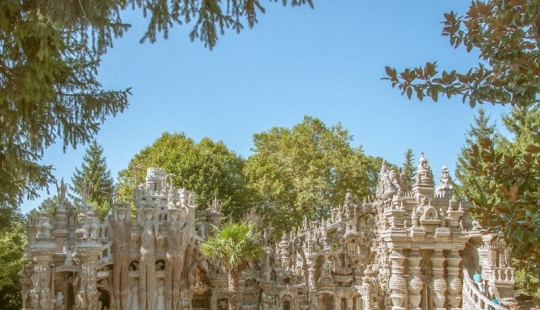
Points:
[(455, 283), (41, 295), (311, 278), (337, 302), (367, 289), (439, 283), (397, 281), (86, 295), (415, 282), (87, 251), (42, 251)]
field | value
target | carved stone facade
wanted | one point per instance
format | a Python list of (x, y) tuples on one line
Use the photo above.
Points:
[(411, 246)]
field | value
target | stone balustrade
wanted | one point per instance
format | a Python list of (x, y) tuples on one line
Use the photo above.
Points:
[(473, 298), (502, 274)]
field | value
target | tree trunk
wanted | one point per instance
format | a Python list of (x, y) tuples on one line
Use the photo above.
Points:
[(233, 275)]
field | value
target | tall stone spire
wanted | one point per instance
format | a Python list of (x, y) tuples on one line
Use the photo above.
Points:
[(424, 184)]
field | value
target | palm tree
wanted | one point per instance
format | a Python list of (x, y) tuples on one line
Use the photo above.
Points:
[(235, 245)]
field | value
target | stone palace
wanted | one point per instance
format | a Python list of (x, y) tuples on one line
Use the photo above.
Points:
[(411, 246)]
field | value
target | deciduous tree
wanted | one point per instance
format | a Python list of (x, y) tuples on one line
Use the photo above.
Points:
[(506, 37), (305, 171), (12, 260), (208, 168)]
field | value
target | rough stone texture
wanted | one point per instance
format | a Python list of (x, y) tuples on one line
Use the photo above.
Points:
[(411, 246)]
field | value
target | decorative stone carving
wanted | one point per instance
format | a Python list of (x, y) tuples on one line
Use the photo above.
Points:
[(176, 246), (387, 252), (415, 282), (121, 225), (439, 283), (147, 273), (454, 282)]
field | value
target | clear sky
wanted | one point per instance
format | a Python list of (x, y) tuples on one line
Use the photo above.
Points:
[(325, 62)]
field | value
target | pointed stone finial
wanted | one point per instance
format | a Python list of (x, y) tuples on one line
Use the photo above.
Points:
[(446, 189)]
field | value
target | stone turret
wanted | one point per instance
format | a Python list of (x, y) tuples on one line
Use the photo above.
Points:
[(399, 250), (155, 179), (424, 184)]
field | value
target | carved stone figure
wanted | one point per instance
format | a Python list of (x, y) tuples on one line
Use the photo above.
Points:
[(160, 298), (134, 302), (120, 249), (147, 279), (176, 246), (348, 260)]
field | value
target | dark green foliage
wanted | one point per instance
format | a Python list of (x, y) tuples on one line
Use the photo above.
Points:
[(409, 168), (505, 35), (208, 168), (481, 129), (94, 175), (235, 245), (499, 175), (48, 88), (305, 171), (50, 54), (12, 243)]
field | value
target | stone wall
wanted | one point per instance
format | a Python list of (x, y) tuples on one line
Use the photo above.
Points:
[(411, 246)]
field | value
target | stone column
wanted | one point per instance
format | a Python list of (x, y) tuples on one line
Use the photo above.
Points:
[(367, 290), (397, 281), (87, 251), (311, 278), (87, 296), (439, 283), (415, 282), (42, 251), (41, 295), (455, 283), (337, 302)]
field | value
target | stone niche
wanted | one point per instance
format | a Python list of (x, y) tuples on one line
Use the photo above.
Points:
[(409, 246)]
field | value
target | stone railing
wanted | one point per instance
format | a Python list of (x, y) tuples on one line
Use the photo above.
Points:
[(106, 250), (501, 274), (473, 298)]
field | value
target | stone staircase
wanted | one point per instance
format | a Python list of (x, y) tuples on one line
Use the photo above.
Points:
[(473, 299)]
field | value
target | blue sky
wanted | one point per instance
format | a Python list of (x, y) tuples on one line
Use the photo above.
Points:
[(325, 62)]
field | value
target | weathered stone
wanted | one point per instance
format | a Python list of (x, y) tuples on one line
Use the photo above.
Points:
[(405, 248)]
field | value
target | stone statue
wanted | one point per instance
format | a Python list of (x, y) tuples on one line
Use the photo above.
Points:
[(120, 250), (446, 189), (175, 257), (134, 302), (159, 302), (424, 174), (59, 304), (147, 220)]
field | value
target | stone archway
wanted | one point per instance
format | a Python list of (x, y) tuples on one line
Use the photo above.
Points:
[(201, 302), (327, 301)]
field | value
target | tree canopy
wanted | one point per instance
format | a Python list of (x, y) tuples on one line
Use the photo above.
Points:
[(468, 180), (12, 243), (93, 180), (50, 55), (235, 245), (505, 35), (208, 168), (305, 171), (409, 166)]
